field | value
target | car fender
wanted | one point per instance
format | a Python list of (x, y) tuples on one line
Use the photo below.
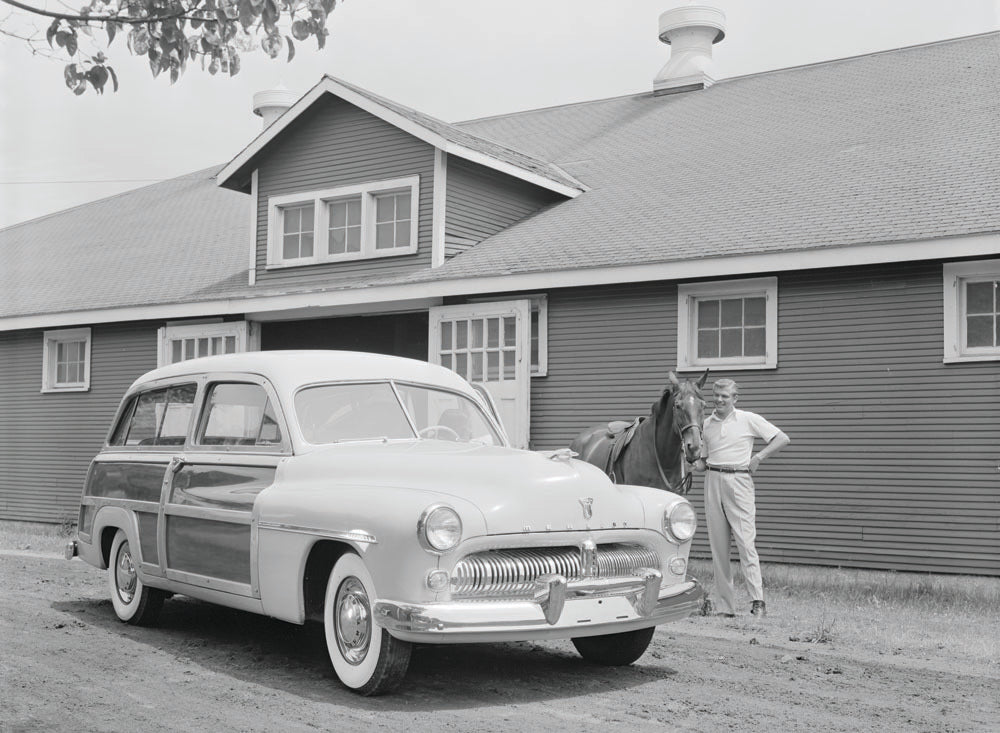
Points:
[(379, 523)]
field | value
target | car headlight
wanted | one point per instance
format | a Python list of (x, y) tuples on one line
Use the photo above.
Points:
[(439, 528), (680, 521)]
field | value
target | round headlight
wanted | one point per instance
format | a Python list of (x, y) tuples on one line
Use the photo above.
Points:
[(680, 521), (439, 528)]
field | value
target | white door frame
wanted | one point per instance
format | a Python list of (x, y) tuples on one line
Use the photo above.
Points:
[(512, 396)]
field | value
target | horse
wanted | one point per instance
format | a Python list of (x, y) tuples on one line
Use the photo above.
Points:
[(648, 451)]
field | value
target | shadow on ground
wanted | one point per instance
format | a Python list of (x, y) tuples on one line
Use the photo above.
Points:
[(294, 659)]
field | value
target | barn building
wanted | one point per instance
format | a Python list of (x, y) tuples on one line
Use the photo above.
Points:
[(827, 235)]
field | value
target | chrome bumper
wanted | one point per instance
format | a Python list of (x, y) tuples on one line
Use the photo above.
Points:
[(560, 609)]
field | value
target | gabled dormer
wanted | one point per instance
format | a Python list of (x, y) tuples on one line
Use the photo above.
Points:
[(348, 185)]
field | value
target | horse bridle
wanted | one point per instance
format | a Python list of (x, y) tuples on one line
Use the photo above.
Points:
[(685, 485)]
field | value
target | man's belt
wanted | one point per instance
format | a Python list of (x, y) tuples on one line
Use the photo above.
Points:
[(722, 469)]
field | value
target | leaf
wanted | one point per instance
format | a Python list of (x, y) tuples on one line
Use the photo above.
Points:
[(114, 77), (321, 35), (234, 64), (79, 89), (291, 48), (71, 44), (301, 30), (70, 75), (61, 37), (98, 77), (174, 75), (50, 33), (111, 28)]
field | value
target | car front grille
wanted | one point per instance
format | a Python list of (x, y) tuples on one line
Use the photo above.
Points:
[(512, 573)]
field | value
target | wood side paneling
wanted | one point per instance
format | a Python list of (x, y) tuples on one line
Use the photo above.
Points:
[(337, 144), (894, 459), (48, 440), (482, 202)]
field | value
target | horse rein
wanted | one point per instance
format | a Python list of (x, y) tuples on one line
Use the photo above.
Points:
[(685, 485)]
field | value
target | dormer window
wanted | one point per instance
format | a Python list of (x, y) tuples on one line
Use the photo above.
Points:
[(376, 219)]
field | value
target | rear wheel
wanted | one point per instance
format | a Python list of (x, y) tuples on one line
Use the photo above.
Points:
[(615, 650), (367, 658), (134, 602)]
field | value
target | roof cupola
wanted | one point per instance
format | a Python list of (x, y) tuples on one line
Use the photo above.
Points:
[(270, 104), (690, 31)]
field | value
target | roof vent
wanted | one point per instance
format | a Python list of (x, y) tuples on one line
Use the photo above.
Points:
[(270, 104), (690, 31)]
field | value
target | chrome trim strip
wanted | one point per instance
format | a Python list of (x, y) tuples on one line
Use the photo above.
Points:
[(232, 516), (352, 535)]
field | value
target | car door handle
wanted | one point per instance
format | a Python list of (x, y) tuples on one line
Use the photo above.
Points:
[(176, 463)]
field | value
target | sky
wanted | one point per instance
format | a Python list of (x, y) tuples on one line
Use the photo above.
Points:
[(453, 59)]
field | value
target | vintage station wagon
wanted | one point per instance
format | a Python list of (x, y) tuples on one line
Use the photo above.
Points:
[(377, 495)]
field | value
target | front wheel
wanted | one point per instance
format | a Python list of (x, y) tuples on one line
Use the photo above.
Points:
[(134, 602), (615, 650), (366, 658)]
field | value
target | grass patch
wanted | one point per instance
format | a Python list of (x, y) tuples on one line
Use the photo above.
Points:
[(875, 588), (36, 536)]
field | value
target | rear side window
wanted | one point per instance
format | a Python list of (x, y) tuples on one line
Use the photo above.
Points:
[(157, 417), (239, 414)]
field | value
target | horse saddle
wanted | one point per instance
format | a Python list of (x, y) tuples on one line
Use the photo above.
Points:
[(607, 452)]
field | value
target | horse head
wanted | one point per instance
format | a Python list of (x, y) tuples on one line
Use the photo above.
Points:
[(687, 407)]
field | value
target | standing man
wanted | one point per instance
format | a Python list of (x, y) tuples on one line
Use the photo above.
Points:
[(727, 447)]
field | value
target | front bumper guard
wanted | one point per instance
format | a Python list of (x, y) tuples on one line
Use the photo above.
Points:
[(608, 605)]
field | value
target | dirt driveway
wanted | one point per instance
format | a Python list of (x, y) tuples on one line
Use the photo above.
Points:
[(67, 664)]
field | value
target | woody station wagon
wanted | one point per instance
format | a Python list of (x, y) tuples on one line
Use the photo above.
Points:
[(379, 496)]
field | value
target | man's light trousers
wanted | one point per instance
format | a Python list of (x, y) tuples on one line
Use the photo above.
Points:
[(730, 513)]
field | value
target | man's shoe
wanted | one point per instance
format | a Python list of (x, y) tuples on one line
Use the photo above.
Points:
[(757, 608), (706, 607), (726, 615)]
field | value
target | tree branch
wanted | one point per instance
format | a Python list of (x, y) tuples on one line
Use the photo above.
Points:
[(96, 18)]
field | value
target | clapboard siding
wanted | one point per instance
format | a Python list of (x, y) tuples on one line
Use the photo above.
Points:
[(481, 202), (47, 440), (337, 144), (894, 456)]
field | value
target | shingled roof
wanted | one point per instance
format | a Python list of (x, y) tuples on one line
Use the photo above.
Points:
[(890, 147)]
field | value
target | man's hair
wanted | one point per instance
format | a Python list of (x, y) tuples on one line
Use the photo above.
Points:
[(727, 384)]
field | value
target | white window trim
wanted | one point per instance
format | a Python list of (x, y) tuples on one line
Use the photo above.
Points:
[(539, 302), (687, 333), (50, 341), (247, 335), (319, 199), (955, 274)]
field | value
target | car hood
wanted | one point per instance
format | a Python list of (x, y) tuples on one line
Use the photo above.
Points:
[(516, 490)]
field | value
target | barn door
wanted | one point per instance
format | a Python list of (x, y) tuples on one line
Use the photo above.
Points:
[(489, 343)]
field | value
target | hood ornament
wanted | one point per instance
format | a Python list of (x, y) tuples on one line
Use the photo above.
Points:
[(588, 506)]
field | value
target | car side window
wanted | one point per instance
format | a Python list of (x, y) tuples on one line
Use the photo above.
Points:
[(160, 417), (238, 414), (124, 422)]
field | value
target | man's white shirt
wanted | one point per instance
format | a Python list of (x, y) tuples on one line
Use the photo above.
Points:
[(729, 441)]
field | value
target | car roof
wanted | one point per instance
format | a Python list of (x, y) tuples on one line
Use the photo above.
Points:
[(289, 369)]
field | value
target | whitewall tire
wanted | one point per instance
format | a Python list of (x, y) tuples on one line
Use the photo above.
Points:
[(366, 658), (134, 602)]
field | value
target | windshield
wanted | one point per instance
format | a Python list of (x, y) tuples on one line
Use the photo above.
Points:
[(337, 412)]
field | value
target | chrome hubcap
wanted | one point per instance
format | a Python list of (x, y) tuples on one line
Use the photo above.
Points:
[(354, 620), (125, 576)]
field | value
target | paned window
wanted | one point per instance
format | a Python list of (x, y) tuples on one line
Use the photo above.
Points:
[(972, 311), (392, 220), (297, 234), (375, 219), (190, 341), (66, 360), (731, 324), (345, 226)]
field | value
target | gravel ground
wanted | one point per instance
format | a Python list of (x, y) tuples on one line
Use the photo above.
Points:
[(67, 664)]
